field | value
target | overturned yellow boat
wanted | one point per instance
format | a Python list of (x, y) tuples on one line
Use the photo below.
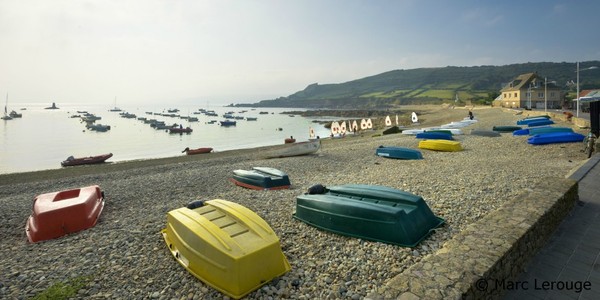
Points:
[(226, 245), (441, 145)]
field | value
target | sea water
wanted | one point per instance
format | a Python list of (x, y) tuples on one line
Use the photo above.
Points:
[(42, 138)]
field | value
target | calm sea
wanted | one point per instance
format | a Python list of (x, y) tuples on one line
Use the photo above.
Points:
[(42, 138)]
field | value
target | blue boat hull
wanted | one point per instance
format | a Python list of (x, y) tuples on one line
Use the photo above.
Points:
[(434, 136), (540, 123), (555, 137), (398, 153)]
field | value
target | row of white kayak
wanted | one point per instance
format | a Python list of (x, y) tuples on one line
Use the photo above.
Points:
[(453, 127)]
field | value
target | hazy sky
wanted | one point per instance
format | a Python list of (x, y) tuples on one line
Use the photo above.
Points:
[(245, 51)]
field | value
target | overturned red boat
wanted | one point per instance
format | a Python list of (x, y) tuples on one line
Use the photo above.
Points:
[(189, 151), (60, 213)]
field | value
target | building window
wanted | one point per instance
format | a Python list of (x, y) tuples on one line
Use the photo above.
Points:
[(515, 95), (552, 94), (540, 95)]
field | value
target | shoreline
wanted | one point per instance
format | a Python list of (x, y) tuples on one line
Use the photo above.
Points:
[(125, 256)]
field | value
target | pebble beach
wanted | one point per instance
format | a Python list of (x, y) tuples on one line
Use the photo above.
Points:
[(125, 257)]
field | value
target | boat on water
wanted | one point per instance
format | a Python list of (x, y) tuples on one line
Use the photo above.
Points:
[(506, 128), (189, 151), (97, 127), (52, 107), (61, 213), (370, 212), (251, 118), (72, 161), (434, 136), (487, 133), (180, 130), (555, 138), (539, 130), (15, 114), (228, 123), (441, 145), (261, 178), (225, 245), (398, 153), (6, 116), (296, 149)]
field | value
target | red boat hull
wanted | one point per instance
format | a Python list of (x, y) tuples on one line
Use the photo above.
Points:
[(60, 213), (86, 160), (198, 151)]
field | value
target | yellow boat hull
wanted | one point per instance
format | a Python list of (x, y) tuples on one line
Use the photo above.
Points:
[(441, 145), (225, 245)]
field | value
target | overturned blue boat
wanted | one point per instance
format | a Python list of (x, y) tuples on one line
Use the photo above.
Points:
[(528, 120), (555, 138), (548, 129), (434, 136), (398, 153), (542, 122), (261, 178), (369, 212)]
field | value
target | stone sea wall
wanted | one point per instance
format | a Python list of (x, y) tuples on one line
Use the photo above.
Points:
[(494, 249)]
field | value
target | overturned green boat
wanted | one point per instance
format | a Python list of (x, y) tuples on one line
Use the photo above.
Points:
[(369, 212)]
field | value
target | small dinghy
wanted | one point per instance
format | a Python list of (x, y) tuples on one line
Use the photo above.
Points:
[(524, 131), (261, 178), (225, 245), (369, 212), (440, 145), (434, 136), (506, 128), (540, 130), (412, 131), (526, 121), (60, 213), (398, 153), (487, 133), (555, 138), (542, 122)]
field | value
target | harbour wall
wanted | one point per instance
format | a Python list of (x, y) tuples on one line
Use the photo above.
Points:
[(493, 250)]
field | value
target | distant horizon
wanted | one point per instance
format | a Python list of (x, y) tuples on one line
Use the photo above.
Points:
[(239, 100)]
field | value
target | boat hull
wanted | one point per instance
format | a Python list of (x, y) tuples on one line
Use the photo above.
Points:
[(555, 138), (86, 160), (434, 136), (375, 213), (486, 133), (261, 178), (542, 122), (506, 128), (441, 145), (296, 149), (61, 213), (398, 153), (198, 151), (226, 246), (540, 130)]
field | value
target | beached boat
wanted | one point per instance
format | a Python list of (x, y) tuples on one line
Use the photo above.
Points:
[(445, 131), (412, 131), (189, 151), (524, 131), (61, 213), (261, 178), (180, 130), (488, 133), (527, 120), (72, 161), (296, 149), (506, 128), (555, 138), (441, 145), (369, 212), (453, 131), (289, 140), (225, 245), (434, 136), (398, 153), (540, 123), (540, 130)]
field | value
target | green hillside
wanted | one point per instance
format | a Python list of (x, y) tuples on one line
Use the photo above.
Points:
[(479, 84)]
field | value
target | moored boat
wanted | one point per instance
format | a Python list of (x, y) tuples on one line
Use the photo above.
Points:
[(189, 151), (72, 161), (370, 212), (296, 149), (228, 123), (441, 145), (225, 245), (555, 138), (398, 153), (261, 178), (180, 130), (61, 213)]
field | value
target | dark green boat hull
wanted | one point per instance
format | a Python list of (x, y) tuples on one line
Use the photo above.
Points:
[(369, 212)]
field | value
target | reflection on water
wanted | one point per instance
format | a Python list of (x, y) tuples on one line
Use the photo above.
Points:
[(42, 138)]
